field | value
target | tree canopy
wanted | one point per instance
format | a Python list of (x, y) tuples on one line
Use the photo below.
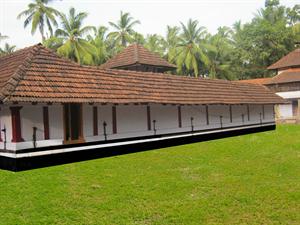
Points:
[(242, 51)]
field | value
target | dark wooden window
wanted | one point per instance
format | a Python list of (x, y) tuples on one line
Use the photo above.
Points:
[(207, 115), (148, 117), (95, 120), (16, 124), (295, 107), (46, 123), (114, 119), (179, 117)]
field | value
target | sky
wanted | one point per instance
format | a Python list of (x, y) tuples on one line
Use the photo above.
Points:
[(154, 15)]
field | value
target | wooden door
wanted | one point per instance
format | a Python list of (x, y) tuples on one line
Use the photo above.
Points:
[(73, 126)]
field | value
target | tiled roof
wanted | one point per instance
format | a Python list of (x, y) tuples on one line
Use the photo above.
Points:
[(37, 74), (290, 60), (256, 81), (287, 76), (136, 54)]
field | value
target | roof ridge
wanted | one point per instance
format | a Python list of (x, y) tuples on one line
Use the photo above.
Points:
[(14, 80), (136, 52)]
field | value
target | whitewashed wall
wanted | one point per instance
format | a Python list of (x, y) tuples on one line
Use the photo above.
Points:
[(5, 122), (56, 125), (131, 121), (285, 111)]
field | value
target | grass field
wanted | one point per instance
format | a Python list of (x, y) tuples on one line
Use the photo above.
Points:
[(252, 179)]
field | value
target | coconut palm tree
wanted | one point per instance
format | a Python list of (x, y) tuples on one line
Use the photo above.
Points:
[(170, 43), (99, 41), (123, 29), (138, 38), (154, 44), (72, 33), (53, 42), (220, 54), (40, 15), (7, 49), (191, 48)]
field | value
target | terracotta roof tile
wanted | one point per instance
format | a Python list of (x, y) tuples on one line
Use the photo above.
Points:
[(136, 54), (37, 74), (290, 60), (261, 81), (287, 76)]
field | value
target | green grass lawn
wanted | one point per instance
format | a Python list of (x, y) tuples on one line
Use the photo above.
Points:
[(252, 179)]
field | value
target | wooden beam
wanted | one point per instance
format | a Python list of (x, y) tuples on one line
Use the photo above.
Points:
[(46, 123), (230, 113), (248, 112), (114, 119), (16, 124), (0, 130), (95, 120), (207, 115), (179, 117), (148, 117)]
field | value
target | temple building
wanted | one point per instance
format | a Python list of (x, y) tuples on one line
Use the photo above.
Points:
[(285, 84), (54, 109), (137, 58)]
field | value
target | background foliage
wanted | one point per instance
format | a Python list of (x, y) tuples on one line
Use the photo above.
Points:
[(242, 51)]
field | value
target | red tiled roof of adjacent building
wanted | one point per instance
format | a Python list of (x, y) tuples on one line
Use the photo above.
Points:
[(261, 81), (287, 76), (136, 54), (37, 74), (290, 60)]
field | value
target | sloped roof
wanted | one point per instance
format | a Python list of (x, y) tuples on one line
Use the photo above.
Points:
[(261, 81), (136, 54), (287, 76), (37, 74), (290, 60)]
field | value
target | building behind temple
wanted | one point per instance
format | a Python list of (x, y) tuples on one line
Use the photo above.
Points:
[(286, 84)]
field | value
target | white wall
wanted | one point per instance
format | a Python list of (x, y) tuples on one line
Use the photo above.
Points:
[(166, 117), (199, 117), (32, 116), (5, 122), (285, 111), (56, 125), (131, 121), (125, 117), (87, 117)]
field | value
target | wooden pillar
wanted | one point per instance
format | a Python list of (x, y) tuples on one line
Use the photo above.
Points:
[(179, 117), (114, 120), (0, 129), (16, 124), (207, 115), (95, 120), (263, 111), (148, 117), (46, 123), (248, 112), (230, 113)]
